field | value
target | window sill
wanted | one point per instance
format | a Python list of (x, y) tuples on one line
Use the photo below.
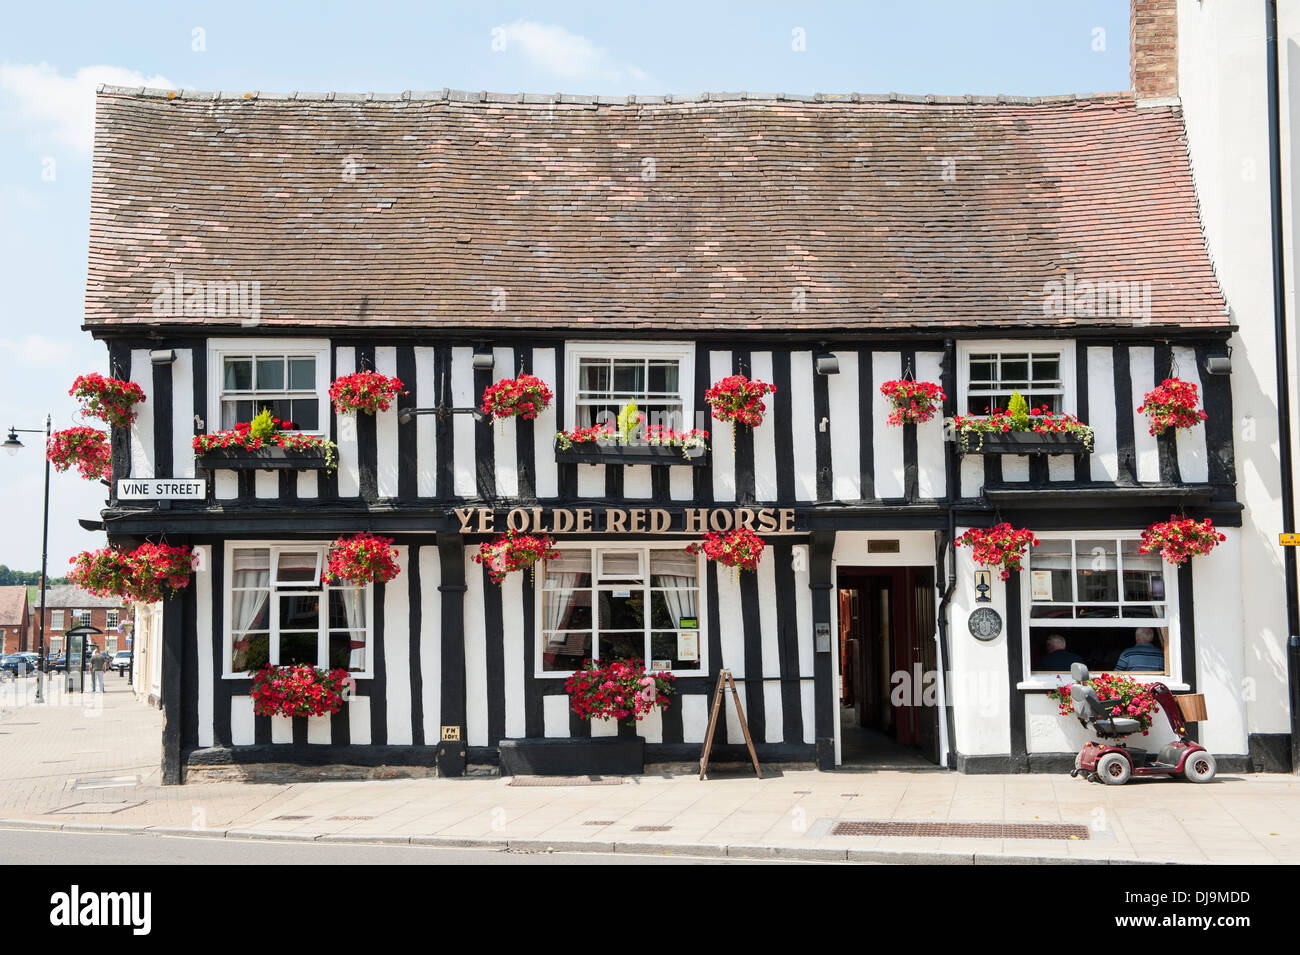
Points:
[(260, 459), (1026, 442), (1037, 684), (589, 453)]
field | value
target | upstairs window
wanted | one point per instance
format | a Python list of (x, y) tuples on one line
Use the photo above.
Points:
[(289, 379), (609, 376), (56, 619), (993, 372), (111, 620)]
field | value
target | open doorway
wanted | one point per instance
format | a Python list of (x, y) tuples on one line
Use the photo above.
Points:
[(889, 716)]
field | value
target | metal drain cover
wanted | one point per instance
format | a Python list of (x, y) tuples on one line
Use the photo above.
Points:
[(112, 782), (94, 808), (566, 781), (963, 830)]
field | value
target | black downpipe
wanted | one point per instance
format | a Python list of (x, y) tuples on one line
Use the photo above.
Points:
[(950, 465), (1283, 382)]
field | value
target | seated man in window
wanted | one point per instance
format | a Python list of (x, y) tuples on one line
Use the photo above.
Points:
[(1144, 654), (1057, 658)]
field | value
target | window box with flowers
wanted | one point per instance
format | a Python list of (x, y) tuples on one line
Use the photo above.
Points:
[(630, 440), (1022, 430), (264, 444)]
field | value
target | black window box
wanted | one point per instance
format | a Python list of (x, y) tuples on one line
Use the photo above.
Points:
[(590, 453), (598, 756), (1027, 442), (261, 459)]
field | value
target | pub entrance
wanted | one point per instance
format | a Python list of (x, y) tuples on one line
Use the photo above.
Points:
[(889, 717)]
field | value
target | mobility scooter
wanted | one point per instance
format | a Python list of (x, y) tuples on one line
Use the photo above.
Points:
[(1116, 763)]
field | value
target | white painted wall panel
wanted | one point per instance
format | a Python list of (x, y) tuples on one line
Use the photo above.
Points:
[(846, 419), (555, 716), (972, 474), (266, 484), (358, 710), (319, 732), (547, 478), (308, 484), (182, 415), (1015, 467), (464, 482), (203, 636), (349, 469), (142, 449), (386, 428), (591, 480), (431, 642), (504, 432), (681, 482), (1100, 414), (773, 713), (426, 443), (225, 484), (476, 691), (637, 482), (1193, 458), (397, 650), (887, 442), (1060, 467), (724, 455), (931, 452), (241, 721), (1142, 370), (695, 717), (765, 437), (281, 729), (803, 426), (803, 617), (512, 618)]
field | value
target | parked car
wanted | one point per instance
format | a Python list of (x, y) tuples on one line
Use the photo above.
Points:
[(56, 663), (33, 661), (15, 663), (121, 661)]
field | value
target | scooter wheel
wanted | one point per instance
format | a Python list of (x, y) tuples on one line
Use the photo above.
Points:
[(1199, 767), (1114, 769)]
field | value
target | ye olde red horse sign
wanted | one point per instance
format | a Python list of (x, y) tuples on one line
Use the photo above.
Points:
[(625, 520)]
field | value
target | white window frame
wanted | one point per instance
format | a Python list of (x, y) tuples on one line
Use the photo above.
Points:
[(80, 618), (1063, 347), (111, 618), (322, 658), (56, 619), (318, 348), (1173, 679), (683, 354), (595, 547)]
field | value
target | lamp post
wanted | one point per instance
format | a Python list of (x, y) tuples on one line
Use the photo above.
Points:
[(13, 445)]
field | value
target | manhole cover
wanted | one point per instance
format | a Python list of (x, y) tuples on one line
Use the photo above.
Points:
[(114, 782), (95, 808), (963, 830), (566, 781)]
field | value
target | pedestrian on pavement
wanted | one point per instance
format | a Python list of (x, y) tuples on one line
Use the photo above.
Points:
[(98, 664)]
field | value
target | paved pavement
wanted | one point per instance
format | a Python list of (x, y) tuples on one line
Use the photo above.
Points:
[(91, 764)]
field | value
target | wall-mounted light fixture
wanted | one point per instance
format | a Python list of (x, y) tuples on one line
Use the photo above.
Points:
[(1219, 364), (483, 360), (443, 413), (826, 364), (162, 356)]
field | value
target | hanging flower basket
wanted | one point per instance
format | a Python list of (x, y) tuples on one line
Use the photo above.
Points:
[(1128, 698), (915, 402), (739, 549), (149, 573), (106, 572), (1178, 540), (1173, 404), (524, 397), (108, 399), (1002, 546), (363, 559), (264, 443), (87, 448), (367, 391), (298, 690), (618, 690), (739, 400), (514, 551)]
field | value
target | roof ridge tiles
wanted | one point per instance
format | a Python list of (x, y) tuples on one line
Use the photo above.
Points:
[(638, 99)]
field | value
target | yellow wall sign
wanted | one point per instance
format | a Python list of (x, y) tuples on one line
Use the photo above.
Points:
[(1289, 540), (450, 734)]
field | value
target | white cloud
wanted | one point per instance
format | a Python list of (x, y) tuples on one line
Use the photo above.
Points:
[(566, 54), (66, 104)]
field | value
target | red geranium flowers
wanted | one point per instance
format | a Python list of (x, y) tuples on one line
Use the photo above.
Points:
[(298, 690), (524, 397), (1173, 404), (1002, 546), (915, 402), (514, 551), (362, 559), (739, 549), (87, 448), (108, 399), (618, 690), (1180, 539), (737, 399), (150, 572), (367, 391)]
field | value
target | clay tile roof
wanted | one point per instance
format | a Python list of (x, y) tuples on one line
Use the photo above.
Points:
[(72, 596), (12, 602), (730, 212)]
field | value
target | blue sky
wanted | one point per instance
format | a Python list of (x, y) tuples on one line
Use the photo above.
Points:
[(52, 55)]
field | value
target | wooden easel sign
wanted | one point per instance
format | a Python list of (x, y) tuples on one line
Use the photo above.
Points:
[(725, 680)]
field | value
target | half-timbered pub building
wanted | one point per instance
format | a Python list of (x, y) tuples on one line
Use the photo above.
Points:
[(247, 250)]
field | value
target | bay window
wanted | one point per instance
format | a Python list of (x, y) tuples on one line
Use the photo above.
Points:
[(279, 612), (1097, 598), (613, 602)]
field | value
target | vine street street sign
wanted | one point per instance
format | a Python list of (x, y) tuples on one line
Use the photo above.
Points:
[(160, 489)]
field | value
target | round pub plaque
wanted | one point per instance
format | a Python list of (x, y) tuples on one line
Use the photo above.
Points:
[(985, 624)]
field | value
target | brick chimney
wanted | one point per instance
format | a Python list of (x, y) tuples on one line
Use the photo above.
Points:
[(1153, 48)]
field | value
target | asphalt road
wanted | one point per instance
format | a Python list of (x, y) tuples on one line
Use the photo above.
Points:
[(35, 847)]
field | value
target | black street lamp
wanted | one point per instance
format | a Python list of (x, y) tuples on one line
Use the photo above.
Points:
[(13, 446)]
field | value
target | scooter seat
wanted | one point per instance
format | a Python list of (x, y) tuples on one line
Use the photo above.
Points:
[(1117, 726)]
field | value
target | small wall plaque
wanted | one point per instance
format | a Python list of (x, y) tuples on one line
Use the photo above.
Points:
[(451, 734), (985, 624)]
